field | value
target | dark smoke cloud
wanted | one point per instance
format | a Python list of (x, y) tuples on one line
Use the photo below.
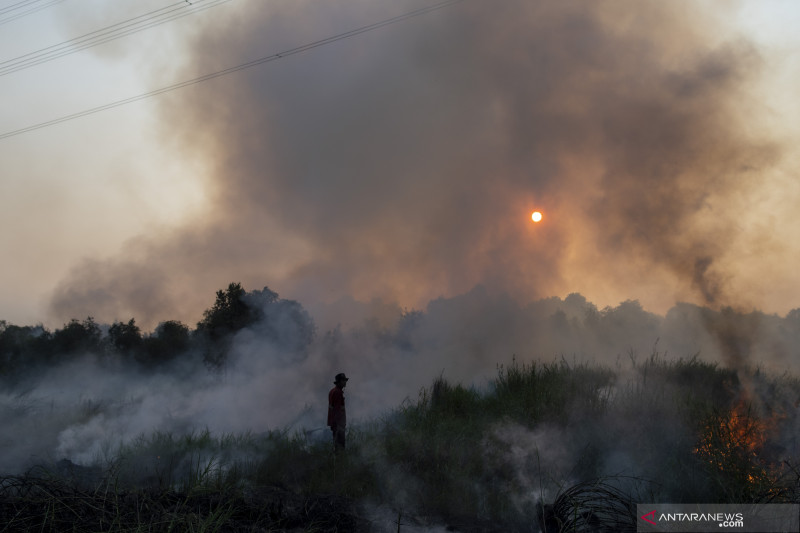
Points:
[(403, 163)]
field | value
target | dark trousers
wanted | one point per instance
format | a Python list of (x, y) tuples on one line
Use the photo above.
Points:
[(338, 437)]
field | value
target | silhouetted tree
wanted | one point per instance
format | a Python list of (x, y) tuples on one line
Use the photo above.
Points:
[(228, 315), (284, 323), (170, 339), (559, 323), (22, 346), (77, 337), (262, 299), (126, 338), (793, 320)]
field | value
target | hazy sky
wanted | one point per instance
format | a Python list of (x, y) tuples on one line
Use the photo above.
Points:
[(658, 139)]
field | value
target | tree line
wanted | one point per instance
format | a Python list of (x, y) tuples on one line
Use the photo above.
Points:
[(24, 348)]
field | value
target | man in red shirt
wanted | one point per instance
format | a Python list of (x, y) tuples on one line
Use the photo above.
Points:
[(337, 418)]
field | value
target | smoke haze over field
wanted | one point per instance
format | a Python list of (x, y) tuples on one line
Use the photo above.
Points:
[(403, 164), (83, 408)]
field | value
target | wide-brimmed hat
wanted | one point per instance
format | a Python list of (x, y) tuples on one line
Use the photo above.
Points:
[(340, 377)]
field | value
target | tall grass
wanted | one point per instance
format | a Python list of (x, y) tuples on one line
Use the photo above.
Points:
[(473, 460), (536, 392)]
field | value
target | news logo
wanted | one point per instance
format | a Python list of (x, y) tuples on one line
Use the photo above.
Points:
[(701, 518)]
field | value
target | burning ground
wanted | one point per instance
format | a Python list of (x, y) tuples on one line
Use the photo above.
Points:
[(474, 413)]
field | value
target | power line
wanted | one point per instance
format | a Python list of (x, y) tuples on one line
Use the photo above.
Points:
[(18, 5), (231, 70), (23, 5), (109, 33)]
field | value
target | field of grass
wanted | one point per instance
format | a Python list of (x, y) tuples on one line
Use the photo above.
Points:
[(547, 447)]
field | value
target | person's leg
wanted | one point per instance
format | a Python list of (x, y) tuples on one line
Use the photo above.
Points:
[(339, 438)]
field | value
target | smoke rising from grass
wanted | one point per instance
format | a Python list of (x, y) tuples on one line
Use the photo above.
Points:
[(277, 377), (550, 398)]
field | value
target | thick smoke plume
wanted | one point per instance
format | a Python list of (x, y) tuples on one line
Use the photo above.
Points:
[(403, 164)]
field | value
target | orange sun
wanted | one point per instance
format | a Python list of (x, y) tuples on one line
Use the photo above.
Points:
[(536, 216)]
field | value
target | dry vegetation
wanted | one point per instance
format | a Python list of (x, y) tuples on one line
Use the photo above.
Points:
[(443, 461)]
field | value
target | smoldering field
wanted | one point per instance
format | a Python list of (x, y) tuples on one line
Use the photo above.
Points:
[(475, 408), (399, 166)]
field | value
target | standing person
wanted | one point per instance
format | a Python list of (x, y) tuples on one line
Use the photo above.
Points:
[(337, 418)]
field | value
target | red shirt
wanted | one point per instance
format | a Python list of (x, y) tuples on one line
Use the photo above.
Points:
[(336, 413)]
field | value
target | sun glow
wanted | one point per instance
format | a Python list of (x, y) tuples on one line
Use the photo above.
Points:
[(536, 216)]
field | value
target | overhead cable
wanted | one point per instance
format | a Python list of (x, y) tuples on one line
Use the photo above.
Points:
[(18, 5), (23, 5), (109, 33), (243, 66)]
